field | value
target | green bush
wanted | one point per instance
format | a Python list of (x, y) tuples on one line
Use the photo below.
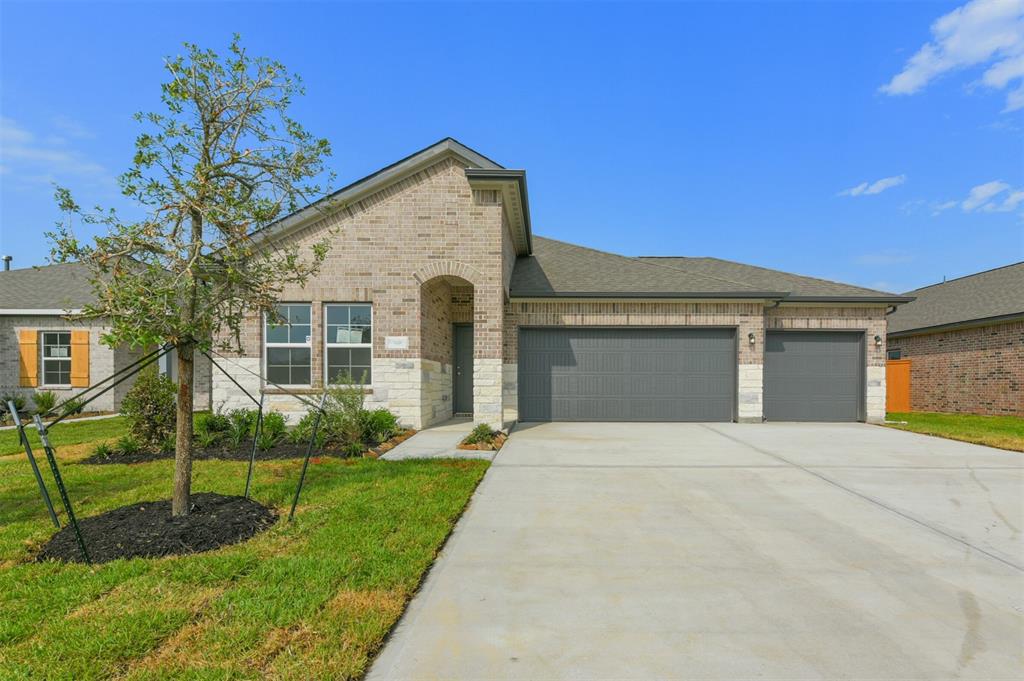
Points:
[(45, 400), (481, 433), (353, 449), (19, 402), (303, 430), (379, 425), (211, 428), (243, 423), (127, 444), (71, 406), (102, 449), (273, 430), (149, 409)]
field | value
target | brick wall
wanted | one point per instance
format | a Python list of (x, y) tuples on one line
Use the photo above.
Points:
[(975, 371)]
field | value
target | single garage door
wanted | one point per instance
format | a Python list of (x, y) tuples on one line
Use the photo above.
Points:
[(647, 374), (814, 376)]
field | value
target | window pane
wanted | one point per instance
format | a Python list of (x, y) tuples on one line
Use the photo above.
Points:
[(360, 314), (299, 314), (276, 374), (337, 314), (300, 356), (299, 333), (277, 334), (300, 376), (361, 356), (278, 357)]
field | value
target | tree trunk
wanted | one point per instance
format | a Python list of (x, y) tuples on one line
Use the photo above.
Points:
[(183, 436)]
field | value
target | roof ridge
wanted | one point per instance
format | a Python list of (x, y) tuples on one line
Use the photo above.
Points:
[(648, 264), (968, 276), (769, 269)]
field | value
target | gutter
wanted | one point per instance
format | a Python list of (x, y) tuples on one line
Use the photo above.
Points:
[(954, 326), (741, 295), (507, 175)]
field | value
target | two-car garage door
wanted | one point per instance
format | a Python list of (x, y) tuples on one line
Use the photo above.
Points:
[(684, 374), (626, 374)]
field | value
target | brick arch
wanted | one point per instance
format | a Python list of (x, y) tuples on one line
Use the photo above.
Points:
[(452, 268)]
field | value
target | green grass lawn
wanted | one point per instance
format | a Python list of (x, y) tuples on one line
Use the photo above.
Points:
[(1006, 432), (65, 433), (308, 599)]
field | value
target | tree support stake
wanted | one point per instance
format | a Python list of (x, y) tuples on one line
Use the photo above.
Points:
[(309, 451), (45, 438), (32, 460)]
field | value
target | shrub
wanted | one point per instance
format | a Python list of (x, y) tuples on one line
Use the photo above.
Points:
[(211, 428), (149, 409), (102, 449), (481, 433), (273, 430), (127, 444), (71, 406), (379, 425), (353, 449), (19, 402), (242, 424), (304, 429), (45, 400), (207, 439)]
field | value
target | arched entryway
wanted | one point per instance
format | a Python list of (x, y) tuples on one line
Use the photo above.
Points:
[(446, 348)]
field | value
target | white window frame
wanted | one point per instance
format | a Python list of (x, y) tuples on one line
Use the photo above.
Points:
[(328, 344), (308, 344), (43, 359)]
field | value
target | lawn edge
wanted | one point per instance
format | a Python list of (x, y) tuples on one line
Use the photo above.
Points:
[(894, 426)]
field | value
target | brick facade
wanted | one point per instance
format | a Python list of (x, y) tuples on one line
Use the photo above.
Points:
[(977, 370)]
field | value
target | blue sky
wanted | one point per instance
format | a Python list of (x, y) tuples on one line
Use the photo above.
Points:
[(842, 140)]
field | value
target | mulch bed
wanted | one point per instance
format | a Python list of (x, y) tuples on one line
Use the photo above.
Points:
[(282, 450), (148, 530)]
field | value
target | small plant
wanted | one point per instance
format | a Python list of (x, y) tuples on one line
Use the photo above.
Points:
[(210, 428), (102, 450), (353, 449), (480, 434), (207, 439), (45, 401), (19, 402), (304, 430), (379, 425), (128, 445), (242, 424), (273, 430), (71, 406), (149, 408)]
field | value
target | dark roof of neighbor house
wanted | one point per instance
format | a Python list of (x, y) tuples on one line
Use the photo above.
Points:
[(62, 286), (559, 269), (988, 295)]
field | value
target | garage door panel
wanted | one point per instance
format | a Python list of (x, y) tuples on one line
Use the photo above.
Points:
[(580, 374), (813, 376)]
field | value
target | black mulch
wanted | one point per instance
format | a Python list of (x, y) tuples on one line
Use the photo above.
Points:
[(282, 450), (148, 530)]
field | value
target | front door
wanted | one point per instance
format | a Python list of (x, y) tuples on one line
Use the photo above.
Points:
[(462, 382)]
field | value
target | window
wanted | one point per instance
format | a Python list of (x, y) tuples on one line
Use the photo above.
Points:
[(349, 342), (289, 345), (56, 358), (894, 354)]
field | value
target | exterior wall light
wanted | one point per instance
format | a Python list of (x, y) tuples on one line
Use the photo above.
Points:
[(750, 337), (878, 341)]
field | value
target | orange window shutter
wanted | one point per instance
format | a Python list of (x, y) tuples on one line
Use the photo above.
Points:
[(28, 358), (80, 359)]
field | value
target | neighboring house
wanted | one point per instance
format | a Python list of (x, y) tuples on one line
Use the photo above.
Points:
[(965, 342), (44, 348), (438, 293)]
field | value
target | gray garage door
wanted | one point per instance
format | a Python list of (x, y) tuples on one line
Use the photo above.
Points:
[(813, 376), (654, 374)]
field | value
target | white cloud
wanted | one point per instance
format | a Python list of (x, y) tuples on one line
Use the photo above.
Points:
[(979, 32), (979, 196), (942, 206), (876, 187), (31, 160), (71, 127)]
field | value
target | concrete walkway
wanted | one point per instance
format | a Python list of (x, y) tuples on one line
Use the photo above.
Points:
[(438, 442), (727, 551)]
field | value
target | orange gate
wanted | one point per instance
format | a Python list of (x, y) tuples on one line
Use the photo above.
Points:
[(897, 385)]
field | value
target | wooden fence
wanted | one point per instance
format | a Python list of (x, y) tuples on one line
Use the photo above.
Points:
[(897, 385)]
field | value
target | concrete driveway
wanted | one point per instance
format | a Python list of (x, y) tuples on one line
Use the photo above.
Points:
[(727, 551)]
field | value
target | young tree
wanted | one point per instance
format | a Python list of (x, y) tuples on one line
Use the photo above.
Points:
[(221, 161)]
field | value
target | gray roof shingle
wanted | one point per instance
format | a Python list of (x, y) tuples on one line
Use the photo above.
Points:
[(557, 268), (61, 286), (994, 293)]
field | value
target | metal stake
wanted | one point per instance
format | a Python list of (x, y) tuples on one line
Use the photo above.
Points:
[(255, 439), (309, 450), (32, 460), (60, 486)]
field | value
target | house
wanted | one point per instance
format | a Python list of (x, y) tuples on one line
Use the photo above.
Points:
[(44, 349), (965, 342), (438, 296)]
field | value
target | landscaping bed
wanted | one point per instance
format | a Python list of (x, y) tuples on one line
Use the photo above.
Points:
[(147, 529), (483, 438)]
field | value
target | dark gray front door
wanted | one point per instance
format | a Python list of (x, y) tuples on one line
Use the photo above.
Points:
[(814, 376), (462, 381), (644, 374)]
